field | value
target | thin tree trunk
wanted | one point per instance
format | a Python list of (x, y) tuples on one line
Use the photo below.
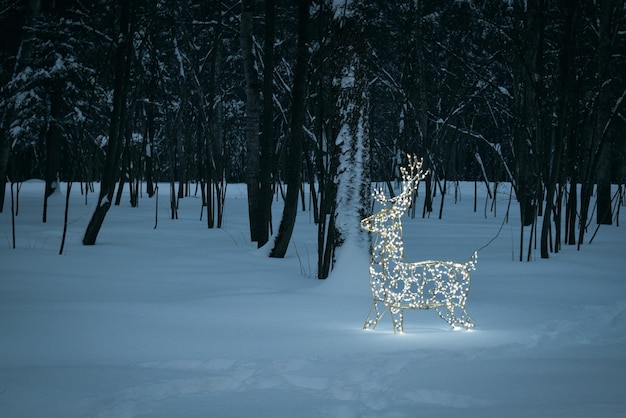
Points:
[(149, 148), (558, 217), (253, 112), (156, 206), (443, 195), (174, 161), (428, 195), (54, 137), (571, 214), (608, 25), (311, 181), (567, 82), (65, 216), (124, 173), (17, 199), (294, 156), (12, 215), (111, 164), (600, 140), (219, 178), (267, 134)]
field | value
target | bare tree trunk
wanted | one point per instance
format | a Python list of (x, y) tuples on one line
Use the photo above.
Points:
[(253, 113), (311, 180), (571, 214), (567, 84), (604, 214), (267, 133), (294, 157), (422, 99), (5, 151), (124, 175), (156, 205), (428, 195), (599, 144), (174, 140), (111, 164), (12, 215), (351, 184), (149, 149), (53, 150), (608, 27), (219, 177), (181, 139), (66, 215), (528, 130)]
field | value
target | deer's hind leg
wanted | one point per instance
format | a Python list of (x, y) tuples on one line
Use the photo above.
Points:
[(397, 317), (456, 316)]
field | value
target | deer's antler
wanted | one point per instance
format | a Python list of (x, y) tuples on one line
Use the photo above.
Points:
[(413, 171), (411, 175), (379, 196)]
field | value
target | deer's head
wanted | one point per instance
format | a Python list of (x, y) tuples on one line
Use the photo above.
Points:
[(394, 208)]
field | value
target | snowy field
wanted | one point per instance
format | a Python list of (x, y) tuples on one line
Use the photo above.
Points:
[(183, 321)]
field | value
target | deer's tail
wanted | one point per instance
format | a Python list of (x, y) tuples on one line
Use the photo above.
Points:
[(471, 263)]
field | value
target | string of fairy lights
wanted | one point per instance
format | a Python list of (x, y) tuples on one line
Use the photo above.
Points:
[(397, 284)]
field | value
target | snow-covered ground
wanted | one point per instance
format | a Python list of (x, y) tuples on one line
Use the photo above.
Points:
[(183, 321)]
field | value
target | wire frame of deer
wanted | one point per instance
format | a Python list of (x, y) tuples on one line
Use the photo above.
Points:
[(397, 284)]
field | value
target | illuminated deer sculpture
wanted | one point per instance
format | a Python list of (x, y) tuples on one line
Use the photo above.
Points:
[(397, 284)]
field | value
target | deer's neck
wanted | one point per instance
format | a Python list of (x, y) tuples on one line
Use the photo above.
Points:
[(389, 244)]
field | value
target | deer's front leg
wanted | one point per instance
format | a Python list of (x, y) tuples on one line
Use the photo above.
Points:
[(376, 312)]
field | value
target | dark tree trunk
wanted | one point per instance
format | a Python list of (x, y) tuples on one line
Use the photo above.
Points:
[(311, 179), (599, 145), (608, 26), (219, 179), (149, 149), (54, 138), (5, 148), (267, 134), (124, 170), (294, 156), (325, 165), (111, 164), (528, 130), (571, 214), (428, 195), (175, 161), (215, 141), (550, 198), (567, 84), (66, 215), (420, 98), (182, 138), (605, 213), (13, 214), (443, 195), (325, 226), (253, 112)]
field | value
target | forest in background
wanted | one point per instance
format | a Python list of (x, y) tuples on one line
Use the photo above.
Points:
[(328, 95)]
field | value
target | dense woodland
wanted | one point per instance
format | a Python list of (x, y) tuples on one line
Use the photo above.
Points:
[(323, 95)]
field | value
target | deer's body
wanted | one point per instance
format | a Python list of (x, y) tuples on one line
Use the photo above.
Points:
[(397, 284)]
